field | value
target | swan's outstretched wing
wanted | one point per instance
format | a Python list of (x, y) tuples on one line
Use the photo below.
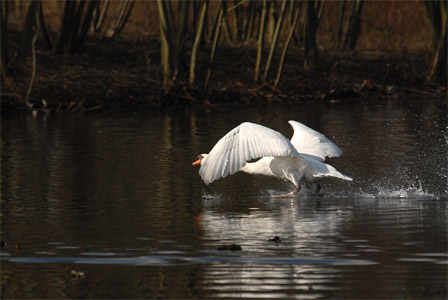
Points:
[(243, 143), (311, 142)]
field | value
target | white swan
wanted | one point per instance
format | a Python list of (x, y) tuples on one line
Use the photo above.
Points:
[(300, 160)]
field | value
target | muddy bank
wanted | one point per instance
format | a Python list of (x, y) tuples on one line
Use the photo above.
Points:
[(124, 75)]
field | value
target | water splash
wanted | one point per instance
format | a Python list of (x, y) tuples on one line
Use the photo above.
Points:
[(412, 192)]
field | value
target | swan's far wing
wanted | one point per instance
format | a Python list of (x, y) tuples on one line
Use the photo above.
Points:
[(243, 143), (311, 142)]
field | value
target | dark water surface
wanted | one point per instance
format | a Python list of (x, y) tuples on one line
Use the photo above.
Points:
[(116, 198)]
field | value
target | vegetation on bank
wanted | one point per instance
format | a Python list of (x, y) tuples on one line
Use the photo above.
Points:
[(88, 55)]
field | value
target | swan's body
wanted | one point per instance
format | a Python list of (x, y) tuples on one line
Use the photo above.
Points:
[(300, 160)]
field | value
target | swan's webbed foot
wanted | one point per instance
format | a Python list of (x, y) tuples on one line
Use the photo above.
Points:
[(291, 194)]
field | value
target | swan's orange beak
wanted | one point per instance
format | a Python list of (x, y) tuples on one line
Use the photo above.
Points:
[(198, 162)]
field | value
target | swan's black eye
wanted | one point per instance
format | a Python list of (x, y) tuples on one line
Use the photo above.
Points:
[(200, 156)]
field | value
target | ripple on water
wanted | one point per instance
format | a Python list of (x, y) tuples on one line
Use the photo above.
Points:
[(147, 260)]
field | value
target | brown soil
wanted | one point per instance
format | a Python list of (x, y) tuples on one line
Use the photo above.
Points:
[(123, 75)]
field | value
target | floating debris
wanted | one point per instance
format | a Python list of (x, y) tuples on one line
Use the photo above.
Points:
[(78, 274), (275, 239), (232, 247)]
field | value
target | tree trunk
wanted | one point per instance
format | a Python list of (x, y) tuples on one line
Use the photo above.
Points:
[(181, 36), (164, 44), (27, 33), (121, 18), (341, 20), (249, 25), (353, 26), (260, 44), (99, 14), (66, 23), (434, 17), (236, 21), (75, 24), (226, 25), (44, 33), (3, 34), (84, 27), (288, 41), (320, 5), (274, 40), (216, 34), (270, 21), (309, 35), (197, 41)]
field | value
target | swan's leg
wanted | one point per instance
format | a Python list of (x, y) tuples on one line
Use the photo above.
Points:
[(298, 187), (318, 188)]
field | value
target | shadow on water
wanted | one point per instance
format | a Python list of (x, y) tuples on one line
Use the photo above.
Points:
[(110, 207)]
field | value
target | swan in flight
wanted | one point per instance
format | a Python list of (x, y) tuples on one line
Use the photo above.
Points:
[(300, 160)]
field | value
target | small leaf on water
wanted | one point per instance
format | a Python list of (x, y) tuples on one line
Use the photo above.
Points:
[(275, 239)]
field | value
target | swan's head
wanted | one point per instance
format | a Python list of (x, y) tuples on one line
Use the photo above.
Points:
[(201, 158)]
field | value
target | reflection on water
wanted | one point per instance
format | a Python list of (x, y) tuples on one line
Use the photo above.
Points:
[(116, 197)]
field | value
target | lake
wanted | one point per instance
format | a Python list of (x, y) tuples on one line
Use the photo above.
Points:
[(110, 206)]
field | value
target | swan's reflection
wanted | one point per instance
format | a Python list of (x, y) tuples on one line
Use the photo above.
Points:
[(309, 230)]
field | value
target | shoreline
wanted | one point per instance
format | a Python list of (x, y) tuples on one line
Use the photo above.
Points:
[(126, 76)]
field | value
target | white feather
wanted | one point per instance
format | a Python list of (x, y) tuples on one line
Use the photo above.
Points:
[(309, 141)]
